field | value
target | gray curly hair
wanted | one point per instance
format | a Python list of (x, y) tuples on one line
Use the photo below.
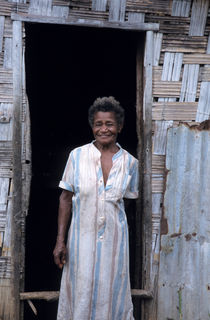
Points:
[(106, 104)]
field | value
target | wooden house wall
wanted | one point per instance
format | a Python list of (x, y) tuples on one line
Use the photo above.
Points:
[(180, 92)]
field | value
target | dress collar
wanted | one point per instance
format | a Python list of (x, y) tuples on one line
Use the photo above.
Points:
[(115, 156)]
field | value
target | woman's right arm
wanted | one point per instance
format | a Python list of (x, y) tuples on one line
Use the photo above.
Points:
[(64, 213)]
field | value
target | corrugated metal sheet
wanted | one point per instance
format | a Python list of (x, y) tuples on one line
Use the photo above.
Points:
[(184, 275)]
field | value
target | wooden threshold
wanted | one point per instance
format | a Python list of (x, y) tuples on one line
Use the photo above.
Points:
[(54, 295), (86, 22)]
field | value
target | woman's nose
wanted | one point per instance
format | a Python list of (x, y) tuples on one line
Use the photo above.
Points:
[(104, 128)]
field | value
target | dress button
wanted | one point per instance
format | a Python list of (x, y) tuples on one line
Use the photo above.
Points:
[(101, 237)]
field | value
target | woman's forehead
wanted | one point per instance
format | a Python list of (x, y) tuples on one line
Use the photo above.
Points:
[(105, 116)]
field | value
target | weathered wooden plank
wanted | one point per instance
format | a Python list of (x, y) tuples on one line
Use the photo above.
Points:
[(88, 23), (159, 142), (204, 74), (7, 53), (184, 44), (60, 11), (6, 8), (140, 148), (196, 59), (5, 154), (172, 66), (54, 295), (157, 47), (5, 268), (189, 83), (166, 89), (8, 28), (6, 121), (198, 17), (62, 2), (136, 17), (147, 160), (185, 111), (5, 75), (185, 244), (4, 189), (2, 20), (17, 176), (88, 15), (170, 25), (40, 7), (117, 10), (99, 5), (6, 252), (158, 164), (151, 6), (203, 111), (181, 8), (157, 183)]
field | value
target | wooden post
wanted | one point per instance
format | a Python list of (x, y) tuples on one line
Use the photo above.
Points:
[(147, 159), (17, 167), (139, 207)]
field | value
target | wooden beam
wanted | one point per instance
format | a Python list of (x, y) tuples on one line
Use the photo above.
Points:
[(17, 167), (147, 179), (86, 23), (54, 295)]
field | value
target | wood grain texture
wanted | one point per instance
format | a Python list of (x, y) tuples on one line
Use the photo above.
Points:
[(203, 111), (40, 7), (181, 8), (17, 177), (87, 23), (198, 17), (185, 111), (189, 83), (159, 141)]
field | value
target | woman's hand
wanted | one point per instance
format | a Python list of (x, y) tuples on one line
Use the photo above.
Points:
[(64, 211), (60, 253)]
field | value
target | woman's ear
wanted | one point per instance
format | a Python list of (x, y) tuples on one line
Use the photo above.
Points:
[(120, 128)]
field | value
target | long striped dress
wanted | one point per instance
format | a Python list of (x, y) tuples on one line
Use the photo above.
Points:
[(95, 281)]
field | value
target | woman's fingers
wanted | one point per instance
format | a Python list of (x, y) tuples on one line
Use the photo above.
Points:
[(59, 256)]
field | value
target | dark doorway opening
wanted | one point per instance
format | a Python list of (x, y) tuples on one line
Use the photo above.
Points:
[(66, 69)]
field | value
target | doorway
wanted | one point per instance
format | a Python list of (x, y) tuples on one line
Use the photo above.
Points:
[(66, 69)]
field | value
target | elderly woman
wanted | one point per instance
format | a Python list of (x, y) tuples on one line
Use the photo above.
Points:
[(95, 282)]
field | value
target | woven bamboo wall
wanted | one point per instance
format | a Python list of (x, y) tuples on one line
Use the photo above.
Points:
[(181, 86)]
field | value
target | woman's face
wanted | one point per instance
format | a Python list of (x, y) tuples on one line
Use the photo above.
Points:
[(105, 128)]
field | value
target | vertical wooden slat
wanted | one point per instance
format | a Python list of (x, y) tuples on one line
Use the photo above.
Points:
[(198, 17), (117, 10), (139, 206), (181, 8), (161, 128), (99, 5), (7, 53), (158, 37), (17, 165), (147, 183), (2, 20), (189, 83), (60, 11), (40, 7), (135, 17), (203, 111)]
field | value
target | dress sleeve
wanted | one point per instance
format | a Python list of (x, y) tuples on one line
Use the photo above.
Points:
[(67, 181), (132, 191)]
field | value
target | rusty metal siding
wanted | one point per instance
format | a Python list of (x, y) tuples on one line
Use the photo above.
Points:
[(184, 274)]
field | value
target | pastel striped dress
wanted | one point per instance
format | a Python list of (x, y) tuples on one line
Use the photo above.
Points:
[(95, 282)]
